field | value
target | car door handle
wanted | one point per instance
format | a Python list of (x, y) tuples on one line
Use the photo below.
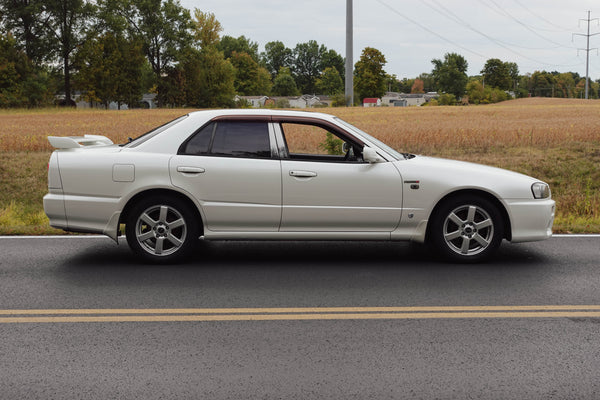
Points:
[(190, 170), (303, 174)]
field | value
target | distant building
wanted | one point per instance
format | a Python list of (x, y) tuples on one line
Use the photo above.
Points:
[(404, 100), (253, 101), (371, 102), (304, 101), (78, 100)]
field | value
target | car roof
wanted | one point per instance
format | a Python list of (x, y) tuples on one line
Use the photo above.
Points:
[(260, 112)]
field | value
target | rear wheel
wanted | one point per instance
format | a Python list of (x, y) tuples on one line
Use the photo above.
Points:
[(161, 229), (467, 229)]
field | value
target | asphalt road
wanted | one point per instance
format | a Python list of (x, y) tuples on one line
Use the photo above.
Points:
[(82, 318)]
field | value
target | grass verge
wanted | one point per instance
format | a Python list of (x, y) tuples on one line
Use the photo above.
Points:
[(555, 141)]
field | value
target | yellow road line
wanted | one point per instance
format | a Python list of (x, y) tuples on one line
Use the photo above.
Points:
[(300, 317), (296, 313), (287, 310)]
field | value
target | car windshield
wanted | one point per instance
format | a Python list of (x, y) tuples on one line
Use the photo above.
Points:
[(377, 142), (148, 135)]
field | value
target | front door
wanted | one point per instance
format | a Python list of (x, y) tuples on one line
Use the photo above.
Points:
[(327, 187)]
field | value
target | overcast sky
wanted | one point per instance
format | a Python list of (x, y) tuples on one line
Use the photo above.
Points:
[(536, 34)]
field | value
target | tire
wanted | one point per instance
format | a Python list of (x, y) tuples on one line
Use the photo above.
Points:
[(467, 229), (162, 229)]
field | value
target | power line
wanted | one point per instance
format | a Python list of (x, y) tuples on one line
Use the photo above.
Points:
[(502, 11), (451, 15), (427, 29), (560, 28)]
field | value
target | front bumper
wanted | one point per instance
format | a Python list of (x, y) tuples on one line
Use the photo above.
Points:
[(531, 220)]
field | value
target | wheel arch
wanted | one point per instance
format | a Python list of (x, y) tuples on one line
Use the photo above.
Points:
[(473, 193), (158, 193)]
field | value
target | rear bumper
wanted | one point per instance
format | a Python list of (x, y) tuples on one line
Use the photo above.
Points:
[(83, 213), (531, 220), (54, 207)]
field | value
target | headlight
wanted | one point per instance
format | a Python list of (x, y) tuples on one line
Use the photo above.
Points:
[(540, 190)]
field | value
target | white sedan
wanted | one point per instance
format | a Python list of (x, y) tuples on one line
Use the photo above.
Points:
[(284, 175)]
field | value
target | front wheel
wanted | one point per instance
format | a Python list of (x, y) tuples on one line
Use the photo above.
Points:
[(161, 230), (467, 229)]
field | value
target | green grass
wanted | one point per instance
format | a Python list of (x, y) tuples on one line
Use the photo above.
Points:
[(23, 178)]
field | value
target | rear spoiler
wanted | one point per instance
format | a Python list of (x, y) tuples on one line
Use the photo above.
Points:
[(72, 142)]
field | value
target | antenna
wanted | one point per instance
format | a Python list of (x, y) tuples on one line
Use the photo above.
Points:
[(587, 50)]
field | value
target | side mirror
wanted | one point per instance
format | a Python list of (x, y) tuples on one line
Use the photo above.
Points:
[(371, 156)]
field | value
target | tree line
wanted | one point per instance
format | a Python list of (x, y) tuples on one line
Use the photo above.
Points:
[(498, 81), (117, 50)]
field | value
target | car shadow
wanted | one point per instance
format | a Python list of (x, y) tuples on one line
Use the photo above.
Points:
[(290, 254), (235, 274)]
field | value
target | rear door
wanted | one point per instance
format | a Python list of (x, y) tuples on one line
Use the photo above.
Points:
[(230, 167)]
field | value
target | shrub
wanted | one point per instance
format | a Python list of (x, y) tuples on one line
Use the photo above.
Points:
[(446, 99)]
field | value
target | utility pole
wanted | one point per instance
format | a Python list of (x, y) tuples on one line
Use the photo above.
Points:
[(587, 50), (349, 89)]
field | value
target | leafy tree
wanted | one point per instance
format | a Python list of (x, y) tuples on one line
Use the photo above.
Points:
[(163, 26), (98, 61), (497, 74), (594, 89), (25, 20), (111, 69), (134, 75), (338, 100), (284, 84), (207, 78), (276, 56), (404, 85), (417, 87), (542, 84), (21, 83), (229, 44), (331, 58), (475, 91), (513, 71), (370, 78), (485, 95), (450, 74), (446, 99), (392, 83), (428, 81), (307, 65), (330, 82), (250, 78), (11, 92), (68, 20), (206, 28), (173, 85), (565, 85)]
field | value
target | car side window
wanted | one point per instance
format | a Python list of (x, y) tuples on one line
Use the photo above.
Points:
[(199, 144), (307, 142), (249, 139)]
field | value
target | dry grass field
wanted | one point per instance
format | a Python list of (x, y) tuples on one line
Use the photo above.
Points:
[(556, 140)]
